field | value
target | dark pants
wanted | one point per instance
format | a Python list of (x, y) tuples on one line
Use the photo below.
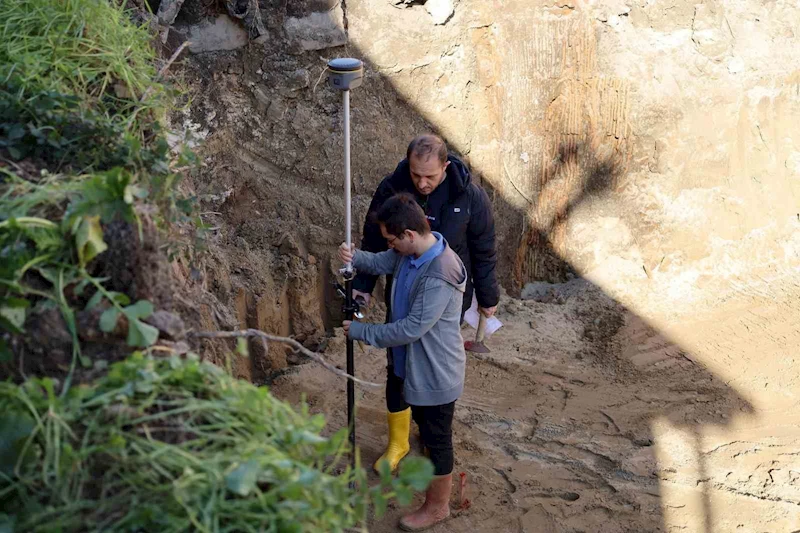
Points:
[(435, 423)]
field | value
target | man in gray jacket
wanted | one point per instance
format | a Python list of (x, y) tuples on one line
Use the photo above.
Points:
[(428, 358)]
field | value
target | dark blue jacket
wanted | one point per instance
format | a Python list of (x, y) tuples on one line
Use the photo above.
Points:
[(458, 209)]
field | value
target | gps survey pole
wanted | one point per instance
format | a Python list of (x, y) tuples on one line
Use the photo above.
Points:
[(346, 74)]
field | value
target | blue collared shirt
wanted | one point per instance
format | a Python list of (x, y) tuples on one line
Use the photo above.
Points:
[(409, 269)]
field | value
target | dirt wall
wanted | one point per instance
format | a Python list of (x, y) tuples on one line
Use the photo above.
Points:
[(650, 147)]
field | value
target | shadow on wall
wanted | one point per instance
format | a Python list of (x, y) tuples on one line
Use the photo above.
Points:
[(576, 173), (621, 468)]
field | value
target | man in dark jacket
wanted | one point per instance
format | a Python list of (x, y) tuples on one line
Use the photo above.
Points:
[(458, 209)]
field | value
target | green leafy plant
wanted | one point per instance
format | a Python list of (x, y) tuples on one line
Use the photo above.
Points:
[(79, 101), (54, 129), (139, 333), (86, 48), (179, 445), (59, 254)]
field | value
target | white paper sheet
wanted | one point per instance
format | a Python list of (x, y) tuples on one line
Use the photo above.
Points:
[(471, 318)]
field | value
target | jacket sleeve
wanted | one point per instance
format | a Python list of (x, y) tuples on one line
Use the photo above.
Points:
[(376, 264), (482, 249), (430, 302), (372, 240)]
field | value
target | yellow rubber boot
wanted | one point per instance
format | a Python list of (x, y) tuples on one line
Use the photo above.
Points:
[(399, 429)]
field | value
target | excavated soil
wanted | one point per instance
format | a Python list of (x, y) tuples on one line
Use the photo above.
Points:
[(559, 426)]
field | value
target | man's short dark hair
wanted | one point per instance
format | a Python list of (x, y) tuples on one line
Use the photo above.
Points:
[(400, 213), (425, 145)]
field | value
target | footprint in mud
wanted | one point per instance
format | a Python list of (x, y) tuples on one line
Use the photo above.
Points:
[(495, 390)]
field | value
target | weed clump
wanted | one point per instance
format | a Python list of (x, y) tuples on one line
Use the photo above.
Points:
[(177, 445), (82, 146), (73, 79)]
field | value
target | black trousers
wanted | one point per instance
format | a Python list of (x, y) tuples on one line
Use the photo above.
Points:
[(435, 423)]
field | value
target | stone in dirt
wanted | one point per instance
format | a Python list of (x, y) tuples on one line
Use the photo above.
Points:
[(262, 99), (221, 34), (168, 324), (249, 13), (317, 30), (440, 10), (709, 33), (168, 10)]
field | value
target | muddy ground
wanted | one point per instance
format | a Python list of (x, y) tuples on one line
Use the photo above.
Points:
[(556, 429)]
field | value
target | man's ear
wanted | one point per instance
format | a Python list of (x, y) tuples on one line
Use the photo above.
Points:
[(446, 164), (409, 234)]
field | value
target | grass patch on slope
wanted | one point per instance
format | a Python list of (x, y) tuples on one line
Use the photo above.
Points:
[(82, 145), (176, 445)]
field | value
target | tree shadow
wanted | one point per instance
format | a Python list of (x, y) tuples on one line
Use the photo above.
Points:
[(633, 354), (575, 174)]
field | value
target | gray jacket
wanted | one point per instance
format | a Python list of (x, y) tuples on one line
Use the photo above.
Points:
[(435, 358)]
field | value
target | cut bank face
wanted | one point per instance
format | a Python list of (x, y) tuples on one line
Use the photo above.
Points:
[(427, 174)]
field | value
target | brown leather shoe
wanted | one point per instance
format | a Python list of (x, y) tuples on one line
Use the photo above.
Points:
[(435, 509)]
